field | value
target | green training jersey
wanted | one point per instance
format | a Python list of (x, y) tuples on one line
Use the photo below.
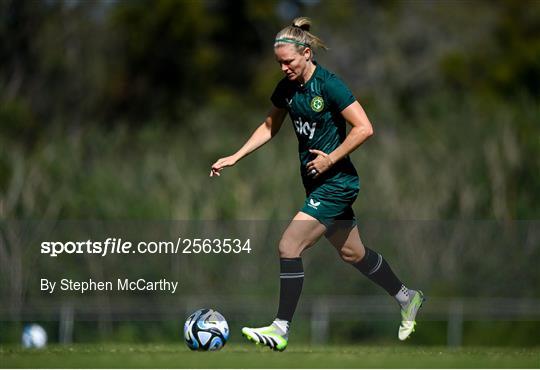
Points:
[(315, 110)]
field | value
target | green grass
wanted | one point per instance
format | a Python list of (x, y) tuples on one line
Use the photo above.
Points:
[(248, 356)]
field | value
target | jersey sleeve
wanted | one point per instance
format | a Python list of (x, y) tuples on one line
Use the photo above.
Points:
[(278, 96), (338, 94)]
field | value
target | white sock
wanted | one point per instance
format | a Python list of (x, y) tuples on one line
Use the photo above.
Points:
[(282, 325), (403, 296)]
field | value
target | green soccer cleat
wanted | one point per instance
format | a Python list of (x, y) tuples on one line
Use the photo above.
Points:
[(269, 336), (408, 315)]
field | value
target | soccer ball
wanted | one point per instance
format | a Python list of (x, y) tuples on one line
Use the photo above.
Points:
[(34, 336), (206, 330)]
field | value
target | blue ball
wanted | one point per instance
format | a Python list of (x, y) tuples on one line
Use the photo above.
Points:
[(206, 330)]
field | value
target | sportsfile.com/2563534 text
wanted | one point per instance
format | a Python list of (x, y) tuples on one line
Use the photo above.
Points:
[(120, 246)]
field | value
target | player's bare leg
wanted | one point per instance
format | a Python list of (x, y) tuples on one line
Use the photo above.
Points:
[(302, 233), (349, 245)]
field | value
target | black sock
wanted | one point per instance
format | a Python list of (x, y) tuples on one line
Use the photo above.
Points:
[(374, 266), (291, 278)]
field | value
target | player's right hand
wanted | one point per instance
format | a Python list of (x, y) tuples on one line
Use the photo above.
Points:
[(222, 163)]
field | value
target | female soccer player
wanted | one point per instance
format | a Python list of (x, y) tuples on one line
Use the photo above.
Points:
[(319, 104)]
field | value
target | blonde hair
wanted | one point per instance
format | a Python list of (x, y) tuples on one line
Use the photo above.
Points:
[(298, 34)]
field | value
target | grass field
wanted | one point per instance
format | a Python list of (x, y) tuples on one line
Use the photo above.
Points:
[(236, 355)]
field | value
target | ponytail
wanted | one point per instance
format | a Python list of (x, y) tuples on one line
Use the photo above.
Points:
[(298, 34)]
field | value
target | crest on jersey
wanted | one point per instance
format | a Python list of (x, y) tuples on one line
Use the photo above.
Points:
[(317, 104)]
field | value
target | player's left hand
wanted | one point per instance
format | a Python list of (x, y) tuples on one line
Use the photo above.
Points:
[(320, 164)]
